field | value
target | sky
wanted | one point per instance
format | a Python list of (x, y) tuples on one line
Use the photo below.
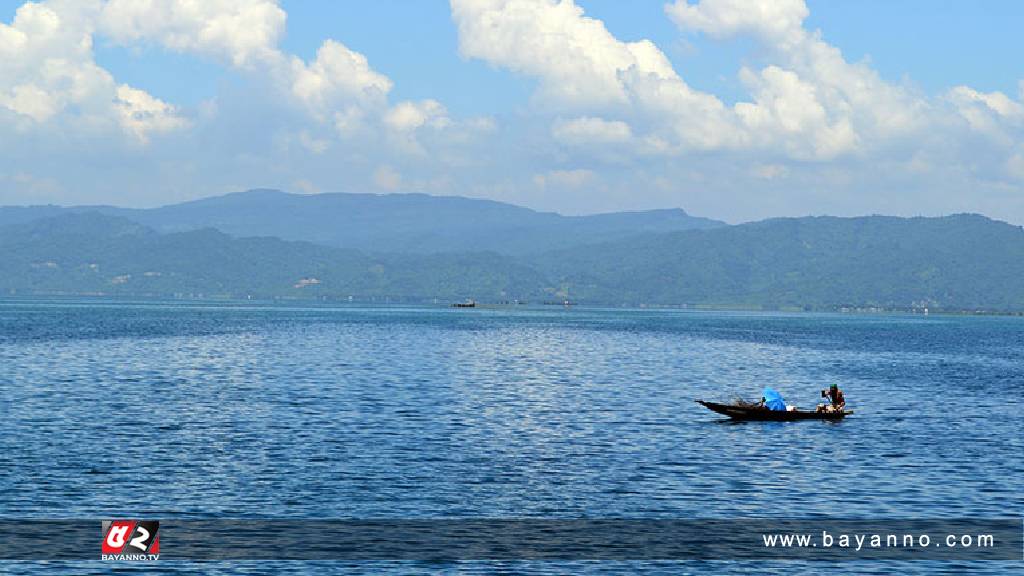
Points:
[(732, 109)]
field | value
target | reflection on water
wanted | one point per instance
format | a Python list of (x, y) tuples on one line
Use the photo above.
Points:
[(168, 410)]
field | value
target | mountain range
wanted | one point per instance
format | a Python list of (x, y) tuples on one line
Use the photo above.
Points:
[(415, 223), (421, 248)]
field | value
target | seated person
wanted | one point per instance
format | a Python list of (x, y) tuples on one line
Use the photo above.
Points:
[(836, 398), (772, 400)]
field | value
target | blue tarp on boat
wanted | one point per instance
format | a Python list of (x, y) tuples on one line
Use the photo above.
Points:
[(773, 400)]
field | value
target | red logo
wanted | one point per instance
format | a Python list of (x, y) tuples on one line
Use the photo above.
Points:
[(130, 540)]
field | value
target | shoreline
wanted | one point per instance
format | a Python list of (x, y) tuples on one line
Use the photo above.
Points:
[(397, 302)]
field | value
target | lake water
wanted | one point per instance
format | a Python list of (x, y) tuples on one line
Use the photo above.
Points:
[(169, 410)]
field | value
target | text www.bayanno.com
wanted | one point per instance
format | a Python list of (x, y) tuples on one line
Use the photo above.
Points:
[(877, 541)]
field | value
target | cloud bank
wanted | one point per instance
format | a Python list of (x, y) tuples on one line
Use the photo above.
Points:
[(612, 124)]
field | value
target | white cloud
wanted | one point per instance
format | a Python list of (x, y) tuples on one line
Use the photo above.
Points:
[(423, 128), (349, 120), (142, 114), (590, 130), (848, 103), (337, 79), (32, 101), (578, 60), (304, 141), (777, 20), (47, 68), (407, 116), (403, 120), (242, 32), (787, 111), (811, 116), (48, 75), (812, 113), (992, 114), (809, 119), (583, 67), (812, 104), (338, 85), (997, 102), (313, 144)]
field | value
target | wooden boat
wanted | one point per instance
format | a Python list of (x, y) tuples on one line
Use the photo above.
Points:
[(754, 412)]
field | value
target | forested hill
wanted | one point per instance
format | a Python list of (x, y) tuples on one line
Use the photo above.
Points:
[(956, 262), (90, 253), (963, 261), (417, 223)]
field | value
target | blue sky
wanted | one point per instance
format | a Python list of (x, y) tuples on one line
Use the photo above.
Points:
[(935, 44), (734, 109)]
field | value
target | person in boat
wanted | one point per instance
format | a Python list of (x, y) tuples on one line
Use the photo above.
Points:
[(772, 400), (835, 397)]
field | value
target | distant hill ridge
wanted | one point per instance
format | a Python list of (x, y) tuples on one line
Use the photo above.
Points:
[(958, 262), (417, 223), (963, 261), (94, 253)]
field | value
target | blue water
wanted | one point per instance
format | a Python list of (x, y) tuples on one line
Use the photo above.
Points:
[(166, 409)]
